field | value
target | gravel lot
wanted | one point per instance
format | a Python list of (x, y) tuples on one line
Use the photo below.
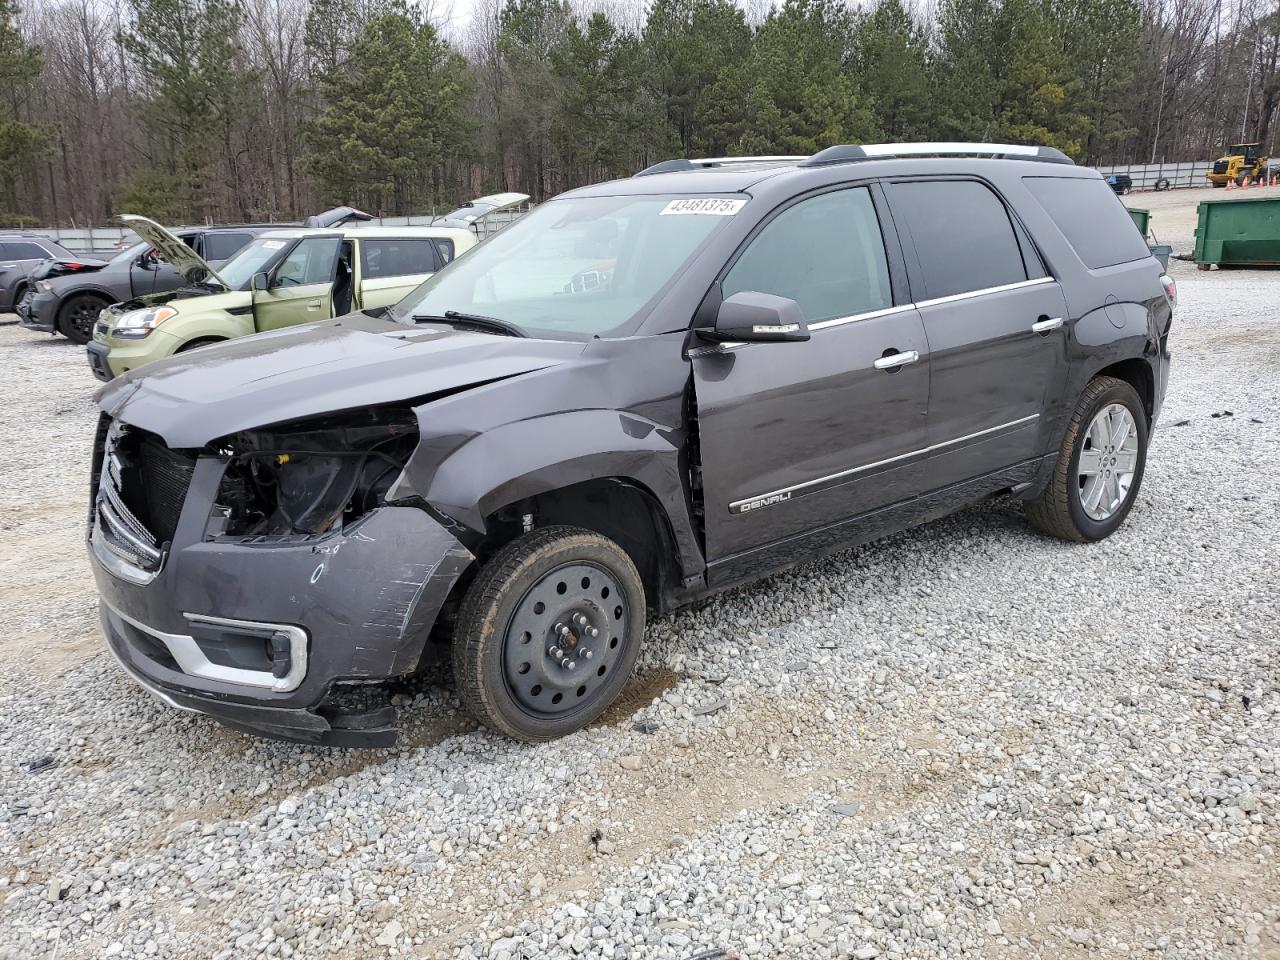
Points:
[(964, 741)]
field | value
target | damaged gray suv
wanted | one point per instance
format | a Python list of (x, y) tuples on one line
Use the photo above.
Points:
[(641, 393)]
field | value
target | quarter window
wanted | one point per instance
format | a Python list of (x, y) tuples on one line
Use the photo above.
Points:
[(963, 237), (396, 258), (826, 253), (1092, 218)]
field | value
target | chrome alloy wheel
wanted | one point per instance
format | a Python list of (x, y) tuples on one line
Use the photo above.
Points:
[(565, 639), (1108, 461)]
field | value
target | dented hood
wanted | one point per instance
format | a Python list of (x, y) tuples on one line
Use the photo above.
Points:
[(173, 251), (353, 362)]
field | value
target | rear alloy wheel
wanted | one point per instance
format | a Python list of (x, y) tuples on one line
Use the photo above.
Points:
[(78, 315), (1100, 465), (548, 633), (23, 299)]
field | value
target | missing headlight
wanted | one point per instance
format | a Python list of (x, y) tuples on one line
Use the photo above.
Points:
[(310, 477)]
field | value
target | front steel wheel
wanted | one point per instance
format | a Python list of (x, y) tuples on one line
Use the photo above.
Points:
[(1100, 465), (548, 633)]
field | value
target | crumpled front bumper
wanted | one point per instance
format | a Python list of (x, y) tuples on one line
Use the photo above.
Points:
[(39, 312), (358, 608)]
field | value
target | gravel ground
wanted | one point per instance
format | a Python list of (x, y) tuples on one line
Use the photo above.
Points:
[(964, 741)]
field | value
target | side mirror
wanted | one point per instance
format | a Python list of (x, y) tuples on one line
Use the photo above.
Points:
[(751, 317), (147, 260), (261, 281)]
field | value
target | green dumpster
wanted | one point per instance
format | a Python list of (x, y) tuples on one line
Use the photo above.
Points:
[(1241, 232), (1141, 219)]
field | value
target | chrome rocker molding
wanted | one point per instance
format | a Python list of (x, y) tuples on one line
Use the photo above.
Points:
[(189, 657), (785, 493)]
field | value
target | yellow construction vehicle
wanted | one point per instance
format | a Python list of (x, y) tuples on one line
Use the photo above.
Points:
[(1241, 160)]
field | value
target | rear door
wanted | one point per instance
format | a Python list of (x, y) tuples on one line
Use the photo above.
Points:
[(794, 436), (995, 323), (301, 286), (392, 266)]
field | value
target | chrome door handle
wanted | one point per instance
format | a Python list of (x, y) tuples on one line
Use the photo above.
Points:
[(1046, 326), (894, 360), (313, 305)]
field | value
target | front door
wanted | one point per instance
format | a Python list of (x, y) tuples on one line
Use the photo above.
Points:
[(995, 322), (794, 436), (301, 286)]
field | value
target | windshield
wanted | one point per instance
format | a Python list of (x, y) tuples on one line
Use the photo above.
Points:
[(574, 268), (257, 257)]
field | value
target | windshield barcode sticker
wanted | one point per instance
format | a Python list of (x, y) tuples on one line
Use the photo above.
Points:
[(707, 206)]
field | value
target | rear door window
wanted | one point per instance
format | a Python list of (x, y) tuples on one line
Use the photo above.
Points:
[(1092, 218), (396, 258), (24, 250), (962, 233), (826, 253)]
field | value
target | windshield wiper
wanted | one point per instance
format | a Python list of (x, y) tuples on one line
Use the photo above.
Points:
[(492, 324)]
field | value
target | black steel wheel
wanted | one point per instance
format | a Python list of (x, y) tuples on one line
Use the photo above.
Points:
[(548, 633), (78, 315)]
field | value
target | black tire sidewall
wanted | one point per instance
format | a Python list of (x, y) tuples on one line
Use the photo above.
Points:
[(65, 325), (1089, 528), (511, 717)]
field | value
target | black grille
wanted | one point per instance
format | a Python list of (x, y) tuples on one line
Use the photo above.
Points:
[(166, 475), (1220, 166), (151, 482)]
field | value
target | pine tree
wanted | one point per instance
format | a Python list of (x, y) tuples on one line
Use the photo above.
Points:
[(393, 115), (20, 142)]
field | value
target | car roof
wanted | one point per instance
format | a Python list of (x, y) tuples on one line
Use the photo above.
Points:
[(350, 231), (849, 162)]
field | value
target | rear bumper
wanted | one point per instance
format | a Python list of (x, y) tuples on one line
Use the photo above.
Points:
[(288, 640), (40, 313)]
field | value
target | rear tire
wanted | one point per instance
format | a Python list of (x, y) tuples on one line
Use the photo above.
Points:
[(77, 316), (1099, 470), (525, 658)]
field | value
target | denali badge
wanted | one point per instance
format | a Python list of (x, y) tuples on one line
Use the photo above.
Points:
[(743, 506)]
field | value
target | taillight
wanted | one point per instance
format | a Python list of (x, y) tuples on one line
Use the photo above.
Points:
[(1170, 289)]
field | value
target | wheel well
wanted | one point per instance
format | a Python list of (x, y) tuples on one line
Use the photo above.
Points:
[(200, 342), (617, 508), (1136, 373)]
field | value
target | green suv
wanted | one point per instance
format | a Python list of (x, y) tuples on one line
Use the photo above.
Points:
[(282, 278)]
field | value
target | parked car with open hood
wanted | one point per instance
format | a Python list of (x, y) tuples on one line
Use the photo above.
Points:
[(640, 393), (70, 304), (21, 257), (282, 278)]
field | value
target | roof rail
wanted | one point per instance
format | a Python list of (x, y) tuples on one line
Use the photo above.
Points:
[(703, 163), (848, 153)]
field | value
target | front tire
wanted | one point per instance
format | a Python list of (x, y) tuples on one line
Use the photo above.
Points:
[(78, 315), (548, 633), (1100, 465)]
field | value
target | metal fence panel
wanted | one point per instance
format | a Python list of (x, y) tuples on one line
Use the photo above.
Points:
[(102, 241), (1146, 175)]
